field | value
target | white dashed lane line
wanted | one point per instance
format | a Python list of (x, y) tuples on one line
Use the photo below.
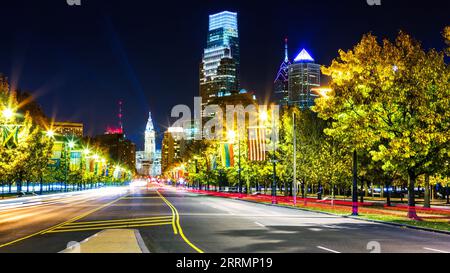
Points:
[(327, 249)]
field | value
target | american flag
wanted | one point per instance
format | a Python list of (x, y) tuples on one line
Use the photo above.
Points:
[(257, 144)]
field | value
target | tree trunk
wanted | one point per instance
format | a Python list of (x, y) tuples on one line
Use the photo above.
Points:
[(426, 198), (388, 193), (411, 198), (362, 190), (41, 185)]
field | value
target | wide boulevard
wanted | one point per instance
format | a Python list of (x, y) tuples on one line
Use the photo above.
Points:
[(173, 220)]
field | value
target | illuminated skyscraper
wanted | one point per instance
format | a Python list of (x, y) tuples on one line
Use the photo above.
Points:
[(303, 75), (281, 83), (219, 69)]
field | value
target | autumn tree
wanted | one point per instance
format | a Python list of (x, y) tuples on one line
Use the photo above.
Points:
[(391, 99)]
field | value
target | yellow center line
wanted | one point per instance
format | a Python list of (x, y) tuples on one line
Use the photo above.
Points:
[(118, 220), (174, 210), (112, 227), (61, 224), (112, 224), (175, 231)]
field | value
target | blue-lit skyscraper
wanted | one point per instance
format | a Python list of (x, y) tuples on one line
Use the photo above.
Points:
[(219, 69), (303, 75)]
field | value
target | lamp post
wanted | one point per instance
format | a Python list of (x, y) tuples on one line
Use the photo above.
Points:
[(294, 140), (274, 162), (355, 185), (86, 153), (231, 138), (263, 116), (239, 163)]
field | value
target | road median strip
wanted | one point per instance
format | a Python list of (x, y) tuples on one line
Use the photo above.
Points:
[(110, 241)]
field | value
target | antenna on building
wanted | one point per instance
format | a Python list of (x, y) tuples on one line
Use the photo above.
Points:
[(286, 58), (120, 115)]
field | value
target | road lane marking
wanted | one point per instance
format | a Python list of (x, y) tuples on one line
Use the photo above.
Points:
[(174, 226), (142, 197), (118, 220), (112, 224), (178, 223), (110, 227), (259, 224), (61, 224), (327, 249), (315, 229), (436, 250)]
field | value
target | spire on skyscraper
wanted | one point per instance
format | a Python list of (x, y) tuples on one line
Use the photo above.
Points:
[(149, 126), (282, 74), (286, 58)]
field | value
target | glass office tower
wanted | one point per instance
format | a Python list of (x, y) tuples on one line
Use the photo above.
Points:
[(304, 75), (219, 68)]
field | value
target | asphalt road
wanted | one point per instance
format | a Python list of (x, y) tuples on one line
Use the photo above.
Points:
[(176, 221)]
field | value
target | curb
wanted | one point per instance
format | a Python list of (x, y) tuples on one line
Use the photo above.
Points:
[(344, 216), (140, 242)]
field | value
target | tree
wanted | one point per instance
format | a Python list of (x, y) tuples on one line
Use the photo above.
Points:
[(392, 100)]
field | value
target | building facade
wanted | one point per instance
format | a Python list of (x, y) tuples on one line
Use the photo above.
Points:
[(219, 69), (303, 76), (170, 152), (120, 149), (68, 128), (148, 162)]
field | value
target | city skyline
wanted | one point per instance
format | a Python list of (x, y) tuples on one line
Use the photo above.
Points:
[(236, 129), (68, 75)]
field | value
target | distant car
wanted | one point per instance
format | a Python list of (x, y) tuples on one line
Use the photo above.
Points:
[(20, 194)]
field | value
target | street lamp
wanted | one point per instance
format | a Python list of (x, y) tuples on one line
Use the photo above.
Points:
[(50, 133), (71, 145), (232, 137), (8, 113)]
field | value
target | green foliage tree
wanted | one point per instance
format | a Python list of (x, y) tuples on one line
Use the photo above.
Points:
[(391, 100)]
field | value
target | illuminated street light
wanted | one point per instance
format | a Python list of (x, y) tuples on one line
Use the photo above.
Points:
[(50, 133), (231, 136), (263, 116), (86, 151), (322, 91), (8, 113), (71, 144)]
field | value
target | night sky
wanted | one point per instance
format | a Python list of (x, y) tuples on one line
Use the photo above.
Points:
[(79, 61)]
